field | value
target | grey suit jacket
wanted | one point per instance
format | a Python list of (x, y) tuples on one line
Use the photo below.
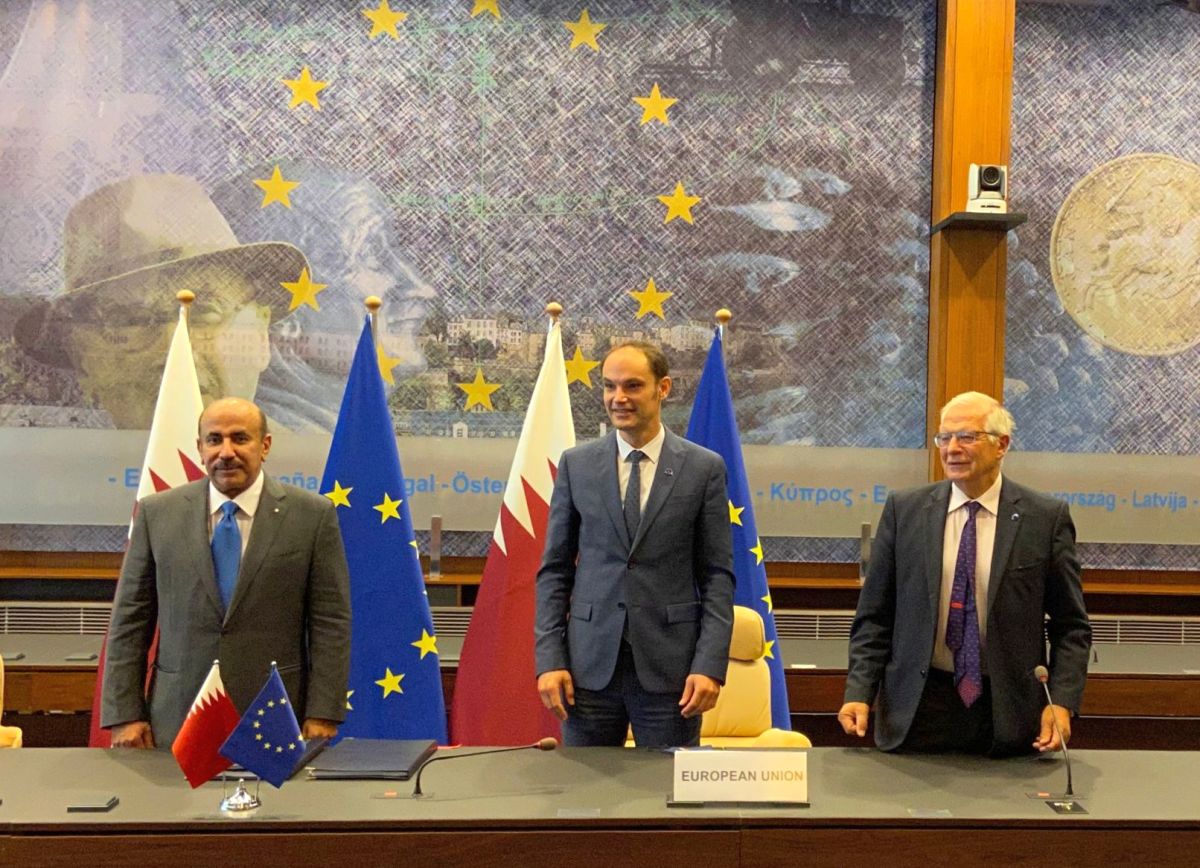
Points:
[(1034, 573), (291, 605), (674, 582)]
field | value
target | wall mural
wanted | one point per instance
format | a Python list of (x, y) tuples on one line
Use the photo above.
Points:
[(1104, 279), (644, 163)]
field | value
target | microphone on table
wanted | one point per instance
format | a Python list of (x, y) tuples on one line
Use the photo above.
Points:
[(1043, 677), (541, 744)]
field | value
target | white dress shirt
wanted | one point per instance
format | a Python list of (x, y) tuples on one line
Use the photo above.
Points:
[(985, 542), (652, 451)]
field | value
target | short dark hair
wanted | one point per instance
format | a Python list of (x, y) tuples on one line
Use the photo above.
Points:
[(654, 356)]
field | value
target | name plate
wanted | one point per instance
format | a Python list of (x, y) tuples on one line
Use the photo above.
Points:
[(765, 775)]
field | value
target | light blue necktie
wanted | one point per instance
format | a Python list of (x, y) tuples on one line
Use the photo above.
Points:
[(227, 552)]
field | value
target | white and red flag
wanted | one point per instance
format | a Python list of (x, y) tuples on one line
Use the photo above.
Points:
[(495, 691), (209, 722), (169, 457)]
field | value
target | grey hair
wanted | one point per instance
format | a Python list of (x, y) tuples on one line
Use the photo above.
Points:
[(997, 421)]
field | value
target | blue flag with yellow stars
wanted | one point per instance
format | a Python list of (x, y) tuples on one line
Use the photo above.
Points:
[(395, 688), (267, 738), (714, 426)]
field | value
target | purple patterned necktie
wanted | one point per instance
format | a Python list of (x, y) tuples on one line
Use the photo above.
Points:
[(962, 627)]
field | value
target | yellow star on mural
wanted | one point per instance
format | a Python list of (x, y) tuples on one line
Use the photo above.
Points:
[(427, 644), (479, 391), (654, 107), (303, 291), (482, 6), (384, 20), (735, 513), (391, 683), (767, 600), (679, 204), (578, 368), (583, 31), (305, 89), (340, 496), (757, 551), (386, 364), (349, 707), (769, 650), (276, 189), (650, 300), (389, 508)]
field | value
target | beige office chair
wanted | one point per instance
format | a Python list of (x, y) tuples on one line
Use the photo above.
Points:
[(10, 736), (742, 715)]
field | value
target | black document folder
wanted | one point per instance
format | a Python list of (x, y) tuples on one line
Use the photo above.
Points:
[(312, 747), (371, 759)]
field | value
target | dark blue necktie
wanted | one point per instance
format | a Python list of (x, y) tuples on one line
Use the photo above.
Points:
[(633, 494), (227, 552), (962, 626)]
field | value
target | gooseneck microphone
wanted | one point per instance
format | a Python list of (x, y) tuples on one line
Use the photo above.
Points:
[(1043, 677), (542, 744)]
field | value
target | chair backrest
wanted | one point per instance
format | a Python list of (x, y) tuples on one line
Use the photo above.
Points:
[(743, 709)]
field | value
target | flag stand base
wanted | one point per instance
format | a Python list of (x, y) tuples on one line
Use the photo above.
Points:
[(240, 800)]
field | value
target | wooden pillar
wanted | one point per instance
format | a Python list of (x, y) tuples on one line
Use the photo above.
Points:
[(972, 114)]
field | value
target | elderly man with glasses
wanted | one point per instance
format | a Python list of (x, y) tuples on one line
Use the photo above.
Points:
[(968, 580)]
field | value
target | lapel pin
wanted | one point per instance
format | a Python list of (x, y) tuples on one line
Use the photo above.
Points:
[(1014, 517), (669, 471)]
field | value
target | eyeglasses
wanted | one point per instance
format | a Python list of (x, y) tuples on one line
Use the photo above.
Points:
[(964, 438)]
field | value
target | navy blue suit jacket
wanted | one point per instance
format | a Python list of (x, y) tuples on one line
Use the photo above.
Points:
[(1034, 574), (674, 582)]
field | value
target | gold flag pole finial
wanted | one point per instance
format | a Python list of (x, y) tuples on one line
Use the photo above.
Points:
[(185, 297), (554, 309), (374, 303), (724, 315)]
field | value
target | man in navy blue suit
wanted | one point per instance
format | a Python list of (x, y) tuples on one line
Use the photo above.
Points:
[(635, 592), (970, 579)]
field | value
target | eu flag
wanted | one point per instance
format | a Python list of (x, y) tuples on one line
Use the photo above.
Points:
[(395, 686), (267, 738), (713, 425)]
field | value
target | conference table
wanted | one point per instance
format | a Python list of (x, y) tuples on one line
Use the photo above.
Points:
[(1138, 695), (608, 807)]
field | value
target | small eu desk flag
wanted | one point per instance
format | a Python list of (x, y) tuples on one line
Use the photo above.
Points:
[(267, 738)]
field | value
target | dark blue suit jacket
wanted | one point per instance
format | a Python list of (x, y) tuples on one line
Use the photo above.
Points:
[(674, 582), (1034, 574)]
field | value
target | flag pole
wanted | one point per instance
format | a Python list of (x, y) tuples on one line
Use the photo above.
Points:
[(374, 303)]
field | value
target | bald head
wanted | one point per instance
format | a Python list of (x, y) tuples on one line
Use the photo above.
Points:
[(233, 443)]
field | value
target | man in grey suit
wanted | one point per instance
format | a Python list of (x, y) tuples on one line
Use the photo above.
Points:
[(235, 567), (952, 618), (635, 592)]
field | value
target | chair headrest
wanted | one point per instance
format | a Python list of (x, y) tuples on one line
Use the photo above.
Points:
[(749, 640)]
